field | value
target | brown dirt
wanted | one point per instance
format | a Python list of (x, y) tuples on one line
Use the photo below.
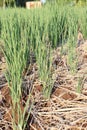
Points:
[(65, 110)]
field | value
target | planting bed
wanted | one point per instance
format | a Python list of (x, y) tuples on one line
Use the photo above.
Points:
[(65, 110)]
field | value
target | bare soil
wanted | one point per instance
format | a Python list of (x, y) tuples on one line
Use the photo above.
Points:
[(65, 110)]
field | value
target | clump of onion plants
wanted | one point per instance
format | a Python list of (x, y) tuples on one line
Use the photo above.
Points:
[(44, 62), (16, 52)]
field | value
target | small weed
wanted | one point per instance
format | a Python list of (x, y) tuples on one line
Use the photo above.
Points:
[(80, 84)]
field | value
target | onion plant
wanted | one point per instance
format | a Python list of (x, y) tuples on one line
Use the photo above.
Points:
[(16, 52), (44, 62)]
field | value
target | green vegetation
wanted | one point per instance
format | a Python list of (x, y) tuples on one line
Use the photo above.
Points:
[(44, 62), (40, 30), (1, 3), (80, 84), (16, 51), (4, 3)]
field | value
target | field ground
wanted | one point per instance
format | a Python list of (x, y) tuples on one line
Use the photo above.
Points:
[(65, 110)]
